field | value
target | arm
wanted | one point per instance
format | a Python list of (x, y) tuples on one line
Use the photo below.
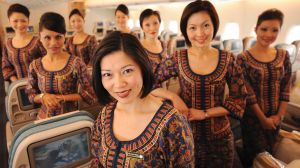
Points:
[(92, 48), (179, 143), (177, 102), (8, 69), (85, 91), (236, 101), (285, 87), (96, 142)]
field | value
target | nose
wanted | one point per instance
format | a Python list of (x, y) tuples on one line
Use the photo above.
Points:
[(119, 81), (199, 31), (53, 42)]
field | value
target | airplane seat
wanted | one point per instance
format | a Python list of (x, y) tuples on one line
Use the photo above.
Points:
[(296, 63), (6, 86), (176, 43), (292, 118), (217, 45), (19, 110), (290, 48), (171, 43), (248, 42), (60, 141), (138, 32), (235, 46)]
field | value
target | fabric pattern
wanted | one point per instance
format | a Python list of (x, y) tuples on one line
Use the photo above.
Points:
[(167, 142), (64, 81), (84, 50), (268, 83), (16, 61)]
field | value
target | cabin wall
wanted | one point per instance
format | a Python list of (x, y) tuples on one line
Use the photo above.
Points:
[(244, 12)]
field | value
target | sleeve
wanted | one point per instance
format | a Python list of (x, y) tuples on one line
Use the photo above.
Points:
[(38, 51), (251, 97), (96, 142), (32, 88), (92, 47), (236, 101), (85, 90), (167, 69), (179, 143), (8, 69), (285, 84)]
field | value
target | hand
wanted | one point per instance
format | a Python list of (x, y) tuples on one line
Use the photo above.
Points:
[(196, 114), (276, 119), (13, 78), (180, 105), (269, 124), (50, 101)]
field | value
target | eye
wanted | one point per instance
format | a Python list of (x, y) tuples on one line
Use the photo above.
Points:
[(105, 75), (192, 28), (127, 71), (147, 24), (275, 30), (264, 29), (206, 25), (47, 38), (58, 37)]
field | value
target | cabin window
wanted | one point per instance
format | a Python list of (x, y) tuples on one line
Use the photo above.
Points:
[(293, 34), (130, 23), (231, 31), (173, 26)]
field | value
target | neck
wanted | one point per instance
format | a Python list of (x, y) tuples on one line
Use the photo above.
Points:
[(124, 29), (151, 40), (55, 56), (261, 48), (21, 35), (134, 107), (200, 52), (80, 33)]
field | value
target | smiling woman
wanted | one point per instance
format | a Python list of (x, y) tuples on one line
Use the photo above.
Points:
[(142, 131), (23, 48), (53, 80)]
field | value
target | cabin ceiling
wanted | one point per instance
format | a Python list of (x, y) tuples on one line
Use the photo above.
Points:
[(88, 3)]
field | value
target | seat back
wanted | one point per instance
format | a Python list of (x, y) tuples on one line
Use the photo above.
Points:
[(290, 48), (60, 141), (19, 110), (235, 46), (248, 42)]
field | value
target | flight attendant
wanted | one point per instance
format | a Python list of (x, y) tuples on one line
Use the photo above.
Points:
[(267, 74), (20, 50), (156, 50), (81, 44), (134, 129), (203, 73), (121, 17), (53, 80)]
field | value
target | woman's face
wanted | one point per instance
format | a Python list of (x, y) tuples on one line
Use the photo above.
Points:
[(121, 77), (200, 29), (77, 23), (19, 22), (121, 19), (52, 41), (267, 32), (151, 26)]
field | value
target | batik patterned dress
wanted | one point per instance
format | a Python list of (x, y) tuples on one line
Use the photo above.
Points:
[(16, 61), (64, 81), (83, 50), (166, 142), (159, 60), (268, 83), (213, 136)]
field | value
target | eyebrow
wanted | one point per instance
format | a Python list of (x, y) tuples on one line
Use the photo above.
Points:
[(205, 21), (129, 65)]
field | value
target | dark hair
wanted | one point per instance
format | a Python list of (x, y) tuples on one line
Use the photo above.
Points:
[(75, 12), (123, 8), (18, 8), (147, 13), (194, 7), (270, 14), (130, 45), (52, 21)]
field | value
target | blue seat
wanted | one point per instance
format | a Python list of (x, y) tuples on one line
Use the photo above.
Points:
[(58, 141)]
